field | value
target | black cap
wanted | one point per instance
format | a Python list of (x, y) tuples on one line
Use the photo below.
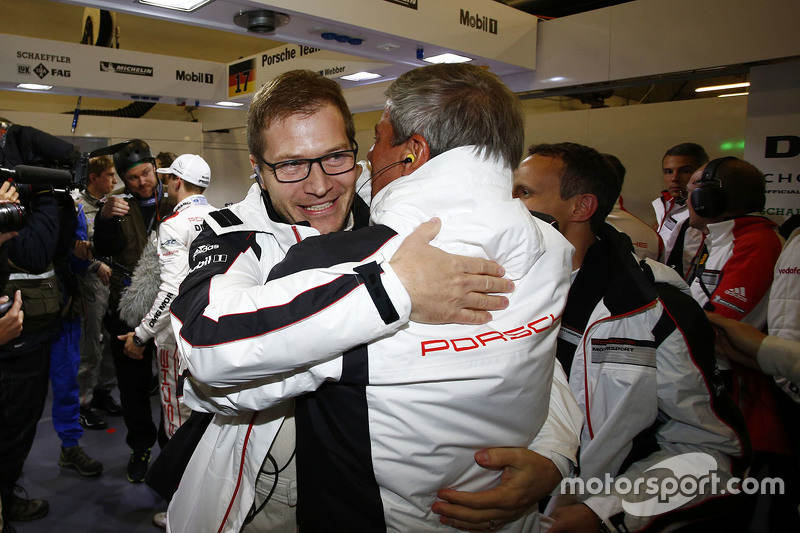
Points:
[(135, 152)]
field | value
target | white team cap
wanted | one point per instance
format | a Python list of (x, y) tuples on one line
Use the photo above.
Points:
[(191, 168)]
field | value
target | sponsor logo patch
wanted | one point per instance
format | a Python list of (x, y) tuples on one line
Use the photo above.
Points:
[(122, 68), (203, 249), (737, 293)]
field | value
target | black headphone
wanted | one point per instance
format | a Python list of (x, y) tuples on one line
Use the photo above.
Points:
[(707, 198)]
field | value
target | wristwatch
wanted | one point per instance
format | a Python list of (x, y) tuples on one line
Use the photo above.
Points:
[(137, 340)]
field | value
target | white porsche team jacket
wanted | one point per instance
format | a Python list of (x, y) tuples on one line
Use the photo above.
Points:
[(174, 236), (670, 218), (395, 420), (642, 370), (783, 313)]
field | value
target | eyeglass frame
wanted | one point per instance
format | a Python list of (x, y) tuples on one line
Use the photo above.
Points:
[(311, 161)]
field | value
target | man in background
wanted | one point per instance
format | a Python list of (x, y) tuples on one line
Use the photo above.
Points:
[(96, 376), (122, 228), (639, 353), (681, 241), (646, 241)]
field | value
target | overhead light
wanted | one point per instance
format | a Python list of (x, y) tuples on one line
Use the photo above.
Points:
[(34, 86), (360, 76), (447, 58), (722, 87), (229, 104), (731, 94), (177, 5)]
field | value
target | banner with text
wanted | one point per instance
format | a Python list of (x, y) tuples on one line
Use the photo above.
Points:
[(773, 134), (246, 75)]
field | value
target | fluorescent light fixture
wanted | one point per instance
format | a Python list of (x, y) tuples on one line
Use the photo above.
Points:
[(34, 86), (722, 87), (177, 5), (731, 94), (229, 104), (360, 76), (447, 58)]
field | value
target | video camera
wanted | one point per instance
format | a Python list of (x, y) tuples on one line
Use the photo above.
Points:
[(30, 180)]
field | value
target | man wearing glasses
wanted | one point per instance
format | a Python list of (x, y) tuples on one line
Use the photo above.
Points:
[(232, 319)]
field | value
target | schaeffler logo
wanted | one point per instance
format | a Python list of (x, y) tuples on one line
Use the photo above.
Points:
[(692, 474), (478, 22)]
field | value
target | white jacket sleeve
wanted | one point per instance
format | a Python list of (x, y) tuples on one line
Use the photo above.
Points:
[(173, 259), (560, 436), (695, 436), (234, 328)]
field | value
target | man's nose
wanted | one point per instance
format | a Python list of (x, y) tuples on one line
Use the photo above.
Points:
[(317, 183)]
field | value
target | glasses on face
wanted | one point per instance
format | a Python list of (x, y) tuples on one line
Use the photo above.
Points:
[(333, 164)]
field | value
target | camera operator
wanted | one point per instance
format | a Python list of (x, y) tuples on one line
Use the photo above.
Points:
[(26, 361), (122, 228)]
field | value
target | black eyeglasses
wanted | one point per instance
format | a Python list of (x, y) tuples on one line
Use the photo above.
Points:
[(333, 164)]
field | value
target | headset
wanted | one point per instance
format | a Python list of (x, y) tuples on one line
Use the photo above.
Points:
[(707, 198)]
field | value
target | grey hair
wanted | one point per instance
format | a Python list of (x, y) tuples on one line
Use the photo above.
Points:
[(453, 105)]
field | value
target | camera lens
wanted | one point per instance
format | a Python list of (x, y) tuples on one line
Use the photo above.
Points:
[(12, 217)]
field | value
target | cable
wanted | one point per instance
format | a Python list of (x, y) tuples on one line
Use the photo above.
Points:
[(254, 511)]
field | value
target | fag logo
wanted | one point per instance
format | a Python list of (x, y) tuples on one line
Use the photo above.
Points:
[(41, 71)]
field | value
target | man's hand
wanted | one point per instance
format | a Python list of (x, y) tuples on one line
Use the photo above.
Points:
[(11, 322), (8, 193), (446, 288), (83, 250), (114, 207), (576, 518), (104, 273), (130, 349), (527, 477), (736, 340)]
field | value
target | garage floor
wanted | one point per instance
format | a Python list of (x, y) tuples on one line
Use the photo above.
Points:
[(104, 504)]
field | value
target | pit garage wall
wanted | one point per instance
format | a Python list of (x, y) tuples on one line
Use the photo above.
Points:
[(638, 135), (773, 134)]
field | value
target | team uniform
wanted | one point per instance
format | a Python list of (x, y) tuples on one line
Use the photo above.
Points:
[(731, 276), (175, 235), (783, 313), (732, 272), (681, 241), (375, 442), (640, 358), (647, 243)]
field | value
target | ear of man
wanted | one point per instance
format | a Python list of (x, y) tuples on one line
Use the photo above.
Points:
[(584, 206), (418, 150)]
